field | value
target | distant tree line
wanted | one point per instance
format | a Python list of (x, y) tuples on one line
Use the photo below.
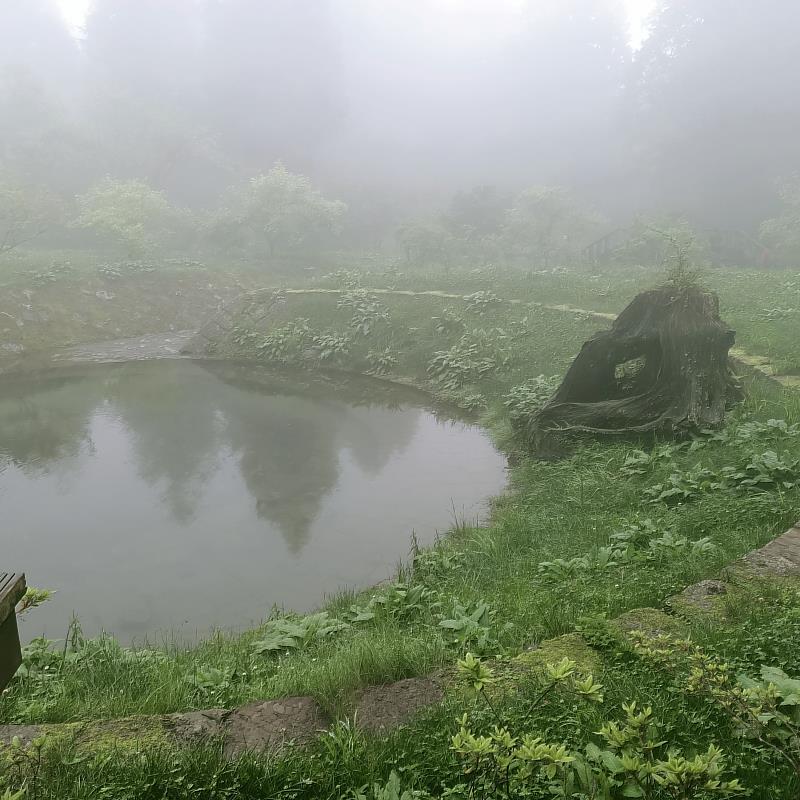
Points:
[(169, 125)]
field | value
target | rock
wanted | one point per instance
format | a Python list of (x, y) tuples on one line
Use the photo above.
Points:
[(551, 651), (704, 597), (781, 557), (384, 708), (194, 726), (268, 726), (25, 733), (649, 621), (95, 735)]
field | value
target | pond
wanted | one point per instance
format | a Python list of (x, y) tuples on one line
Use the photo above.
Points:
[(167, 498)]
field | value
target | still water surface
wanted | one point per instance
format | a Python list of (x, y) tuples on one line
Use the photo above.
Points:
[(171, 497)]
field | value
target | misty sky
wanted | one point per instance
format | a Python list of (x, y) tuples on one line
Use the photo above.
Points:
[(474, 21), (635, 107)]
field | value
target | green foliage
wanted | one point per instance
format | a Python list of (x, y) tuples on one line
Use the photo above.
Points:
[(464, 363), (765, 472), (469, 627), (367, 311), (330, 346), (211, 684), (21, 766), (782, 232), (25, 214), (469, 401), (683, 487), (404, 600), (758, 472), (481, 302), (599, 559), (281, 210), (635, 543), (545, 225), (766, 709), (280, 635), (629, 762), (131, 213), (639, 462), (382, 361), (32, 598), (450, 323), (346, 278), (391, 790), (525, 400), (679, 251), (474, 674), (424, 242), (286, 344)]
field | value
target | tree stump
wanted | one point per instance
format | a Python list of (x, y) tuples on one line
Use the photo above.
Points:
[(662, 368)]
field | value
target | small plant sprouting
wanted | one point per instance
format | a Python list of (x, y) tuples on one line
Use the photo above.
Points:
[(32, 598)]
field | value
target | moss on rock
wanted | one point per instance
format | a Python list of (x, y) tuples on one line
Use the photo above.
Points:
[(551, 651)]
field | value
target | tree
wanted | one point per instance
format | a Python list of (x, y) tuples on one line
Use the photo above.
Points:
[(146, 113), (711, 112), (477, 213), (282, 210), (545, 224), (39, 62), (782, 232), (424, 242), (656, 241), (129, 212), (25, 214)]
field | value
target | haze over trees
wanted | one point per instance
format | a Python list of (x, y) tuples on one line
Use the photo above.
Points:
[(428, 130)]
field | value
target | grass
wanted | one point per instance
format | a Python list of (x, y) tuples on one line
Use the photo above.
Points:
[(763, 307), (566, 510), (64, 298)]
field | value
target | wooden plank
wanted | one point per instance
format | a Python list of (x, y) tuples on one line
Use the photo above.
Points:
[(12, 589), (10, 651)]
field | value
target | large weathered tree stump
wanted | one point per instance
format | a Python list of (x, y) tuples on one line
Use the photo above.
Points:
[(662, 368)]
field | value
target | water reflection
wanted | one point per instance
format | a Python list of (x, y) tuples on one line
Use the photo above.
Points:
[(40, 427), (150, 494)]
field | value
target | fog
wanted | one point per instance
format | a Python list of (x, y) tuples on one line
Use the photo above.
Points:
[(683, 110)]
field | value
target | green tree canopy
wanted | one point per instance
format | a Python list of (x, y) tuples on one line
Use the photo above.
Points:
[(547, 225), (129, 212), (782, 232), (282, 210), (425, 242), (25, 214)]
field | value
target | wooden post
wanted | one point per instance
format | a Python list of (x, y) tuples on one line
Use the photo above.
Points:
[(12, 589)]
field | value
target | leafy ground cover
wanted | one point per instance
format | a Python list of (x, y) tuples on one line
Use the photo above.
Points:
[(616, 526), (762, 306)]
